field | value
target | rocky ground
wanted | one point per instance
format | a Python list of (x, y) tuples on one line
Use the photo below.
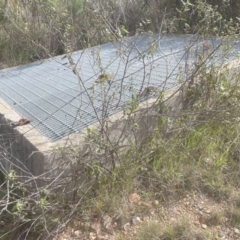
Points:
[(204, 214)]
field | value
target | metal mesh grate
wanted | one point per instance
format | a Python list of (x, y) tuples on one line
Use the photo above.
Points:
[(50, 95)]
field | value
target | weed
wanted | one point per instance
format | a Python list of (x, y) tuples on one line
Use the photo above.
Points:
[(182, 231), (234, 216), (216, 218), (150, 230)]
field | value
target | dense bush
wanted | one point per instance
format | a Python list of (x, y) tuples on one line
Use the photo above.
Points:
[(33, 30)]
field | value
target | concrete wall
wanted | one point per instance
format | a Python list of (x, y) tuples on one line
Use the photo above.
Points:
[(32, 155), (17, 153)]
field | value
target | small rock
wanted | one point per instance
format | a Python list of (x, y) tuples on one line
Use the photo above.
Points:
[(107, 222), (136, 220), (144, 204), (126, 226), (200, 214), (134, 198), (96, 226), (204, 226), (144, 169), (236, 231), (200, 207), (196, 223), (92, 236), (77, 233), (208, 211), (156, 202)]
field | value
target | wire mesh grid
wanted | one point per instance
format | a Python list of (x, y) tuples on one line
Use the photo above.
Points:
[(58, 102)]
